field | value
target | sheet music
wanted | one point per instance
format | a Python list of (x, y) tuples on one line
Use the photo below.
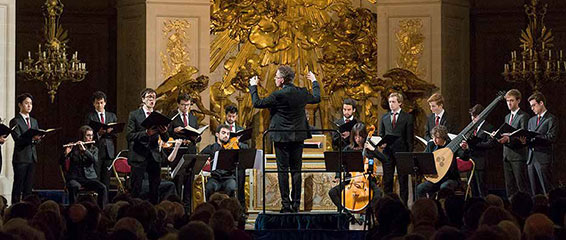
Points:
[(422, 140), (258, 164), (179, 165), (214, 161)]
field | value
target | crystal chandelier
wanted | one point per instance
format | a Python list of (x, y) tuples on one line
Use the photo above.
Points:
[(52, 66), (539, 63)]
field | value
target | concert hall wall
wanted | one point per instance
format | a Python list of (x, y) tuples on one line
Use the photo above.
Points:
[(92, 32), (495, 30)]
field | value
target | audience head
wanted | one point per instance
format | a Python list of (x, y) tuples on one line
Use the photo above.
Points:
[(493, 215), (538, 226), (521, 204), (448, 233), (222, 223), (22, 210), (510, 229), (473, 214), (145, 213), (494, 200), (424, 212), (132, 225), (196, 230)]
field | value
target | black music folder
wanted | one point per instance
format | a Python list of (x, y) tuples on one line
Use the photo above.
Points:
[(388, 139), (30, 133), (244, 135), (5, 130), (116, 127), (155, 119), (346, 127)]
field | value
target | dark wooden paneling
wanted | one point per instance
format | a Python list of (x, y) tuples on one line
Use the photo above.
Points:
[(92, 32), (495, 30)]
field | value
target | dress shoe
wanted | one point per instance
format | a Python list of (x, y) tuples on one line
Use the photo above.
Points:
[(286, 210)]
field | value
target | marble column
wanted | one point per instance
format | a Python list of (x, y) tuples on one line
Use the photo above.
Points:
[(7, 88)]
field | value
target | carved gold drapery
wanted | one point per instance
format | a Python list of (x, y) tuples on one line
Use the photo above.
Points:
[(411, 45)]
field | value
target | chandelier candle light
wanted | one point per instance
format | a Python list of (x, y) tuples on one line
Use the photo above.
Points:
[(52, 66), (539, 63)]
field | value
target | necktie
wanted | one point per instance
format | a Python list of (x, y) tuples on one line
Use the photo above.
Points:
[(185, 119), (394, 121), (347, 120), (476, 132), (147, 114), (231, 127), (511, 119), (102, 117), (538, 120), (27, 122), (437, 121)]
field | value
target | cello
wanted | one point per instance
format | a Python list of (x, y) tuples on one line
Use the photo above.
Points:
[(357, 192)]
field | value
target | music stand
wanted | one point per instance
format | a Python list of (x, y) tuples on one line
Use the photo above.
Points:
[(187, 165), (415, 164)]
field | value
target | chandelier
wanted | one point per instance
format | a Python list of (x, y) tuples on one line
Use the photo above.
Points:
[(52, 66), (538, 62)]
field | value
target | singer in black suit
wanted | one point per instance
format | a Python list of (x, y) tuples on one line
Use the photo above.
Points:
[(287, 110), (231, 113), (348, 110), (514, 152), (25, 155), (438, 116), (479, 151), (181, 118), (539, 162), (397, 123), (144, 154), (104, 138)]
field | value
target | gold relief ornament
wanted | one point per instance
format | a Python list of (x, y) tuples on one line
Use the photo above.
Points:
[(179, 76), (177, 55), (410, 41)]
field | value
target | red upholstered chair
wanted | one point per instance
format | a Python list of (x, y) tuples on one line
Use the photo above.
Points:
[(121, 170)]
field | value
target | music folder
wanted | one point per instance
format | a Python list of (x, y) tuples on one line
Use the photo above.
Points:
[(408, 162), (244, 135), (5, 130), (346, 127), (388, 139), (353, 161), (30, 133), (189, 161), (503, 129), (116, 127), (155, 119)]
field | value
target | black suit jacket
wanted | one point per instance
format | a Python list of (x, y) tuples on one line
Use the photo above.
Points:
[(404, 129), (24, 149), (479, 152), (178, 122), (444, 121), (142, 147), (540, 148), (105, 143), (287, 109), (81, 165), (514, 150)]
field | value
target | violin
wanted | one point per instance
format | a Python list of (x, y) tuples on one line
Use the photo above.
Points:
[(233, 143), (357, 192)]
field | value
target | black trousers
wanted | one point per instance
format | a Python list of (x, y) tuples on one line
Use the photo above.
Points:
[(23, 180), (289, 157), (153, 170), (540, 176), (75, 185), (389, 177), (225, 184), (102, 170), (516, 177), (478, 183)]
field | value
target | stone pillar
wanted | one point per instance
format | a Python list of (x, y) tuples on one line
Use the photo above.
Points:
[(444, 57), (7, 88), (141, 43)]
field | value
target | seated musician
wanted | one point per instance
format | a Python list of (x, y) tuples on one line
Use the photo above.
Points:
[(358, 136), (452, 178), (81, 171), (221, 180)]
